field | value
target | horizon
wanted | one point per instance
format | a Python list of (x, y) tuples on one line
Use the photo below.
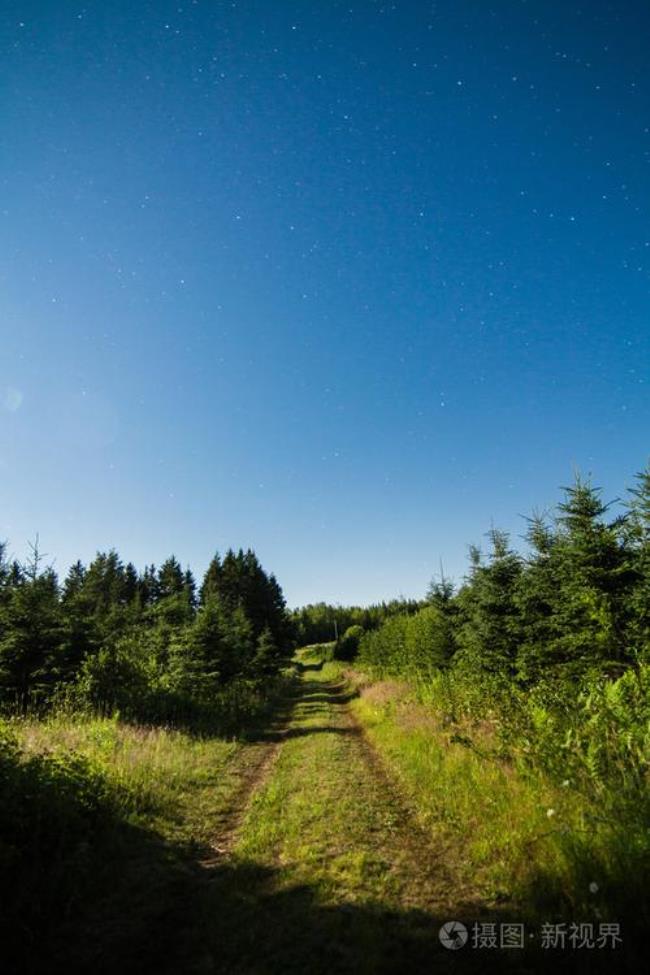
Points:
[(342, 286)]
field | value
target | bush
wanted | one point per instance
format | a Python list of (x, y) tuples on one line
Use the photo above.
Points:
[(348, 645)]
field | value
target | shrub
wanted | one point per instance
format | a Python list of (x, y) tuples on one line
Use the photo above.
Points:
[(348, 645)]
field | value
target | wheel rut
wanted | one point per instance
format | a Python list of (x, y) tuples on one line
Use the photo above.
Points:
[(256, 765)]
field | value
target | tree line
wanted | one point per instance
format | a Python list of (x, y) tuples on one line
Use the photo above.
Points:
[(324, 622), (151, 644), (578, 601)]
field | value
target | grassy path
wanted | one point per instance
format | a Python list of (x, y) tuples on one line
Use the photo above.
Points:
[(291, 851), (330, 816), (320, 866)]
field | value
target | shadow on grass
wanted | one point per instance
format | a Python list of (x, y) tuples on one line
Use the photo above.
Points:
[(305, 730), (146, 906), (305, 668), (313, 691), (152, 909), (330, 697), (238, 919), (308, 701)]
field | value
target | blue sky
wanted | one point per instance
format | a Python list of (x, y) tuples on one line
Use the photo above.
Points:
[(345, 282)]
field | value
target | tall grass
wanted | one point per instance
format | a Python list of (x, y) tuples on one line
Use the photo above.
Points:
[(545, 792), (147, 770), (93, 815)]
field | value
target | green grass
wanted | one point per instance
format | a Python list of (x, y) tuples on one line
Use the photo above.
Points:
[(357, 824), (523, 838), (308, 819), (330, 873), (162, 779), (102, 826)]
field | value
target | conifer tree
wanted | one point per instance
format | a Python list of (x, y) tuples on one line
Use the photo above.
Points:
[(30, 633), (171, 580), (80, 630), (267, 659), (149, 586), (536, 597), (189, 587), (131, 584), (210, 584), (637, 534), (592, 579), (220, 645), (488, 637)]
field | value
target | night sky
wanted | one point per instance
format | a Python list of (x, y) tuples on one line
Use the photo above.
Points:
[(345, 282)]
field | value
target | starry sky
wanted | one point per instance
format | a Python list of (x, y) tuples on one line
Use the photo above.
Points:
[(347, 282)]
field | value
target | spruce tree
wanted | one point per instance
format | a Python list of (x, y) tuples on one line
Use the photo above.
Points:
[(592, 580), (189, 587), (210, 584), (268, 658), (488, 637), (171, 579), (80, 628), (637, 534), (536, 597), (30, 634)]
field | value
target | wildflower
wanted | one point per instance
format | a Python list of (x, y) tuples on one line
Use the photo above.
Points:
[(550, 813), (593, 887), (565, 784)]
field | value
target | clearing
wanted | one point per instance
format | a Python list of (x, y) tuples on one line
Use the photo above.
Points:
[(297, 851)]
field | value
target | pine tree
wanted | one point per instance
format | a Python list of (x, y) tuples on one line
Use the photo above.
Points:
[(210, 584), (30, 634), (80, 629), (536, 597), (149, 586), (441, 592), (4, 567), (267, 659), (104, 583), (592, 580), (131, 584), (189, 587), (488, 637), (219, 646), (636, 531), (171, 580), (74, 581), (239, 581)]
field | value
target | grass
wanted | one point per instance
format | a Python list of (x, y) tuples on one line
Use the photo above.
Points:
[(520, 836), (330, 873), (307, 819), (321, 878), (159, 778), (355, 825), (103, 825)]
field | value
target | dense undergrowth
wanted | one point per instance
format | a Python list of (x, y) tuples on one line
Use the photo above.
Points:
[(548, 804)]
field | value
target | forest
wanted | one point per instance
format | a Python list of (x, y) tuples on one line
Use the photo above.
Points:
[(151, 645), (139, 711)]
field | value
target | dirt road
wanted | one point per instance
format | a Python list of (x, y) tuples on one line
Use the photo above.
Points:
[(319, 865)]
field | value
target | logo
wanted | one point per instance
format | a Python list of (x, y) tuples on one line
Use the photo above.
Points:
[(453, 935)]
